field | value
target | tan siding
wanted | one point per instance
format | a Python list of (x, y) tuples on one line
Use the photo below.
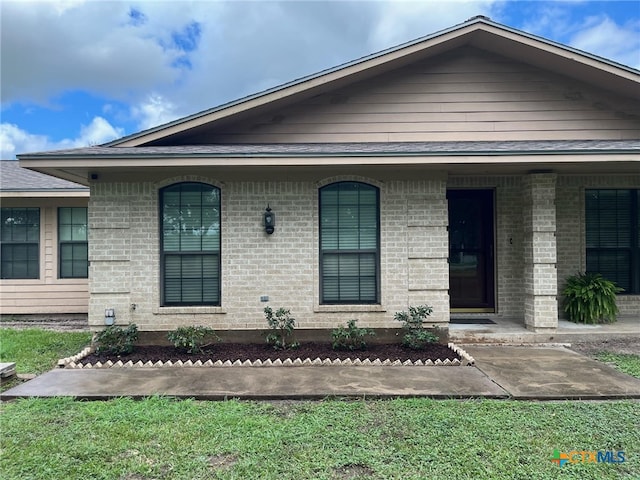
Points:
[(468, 96), (48, 294)]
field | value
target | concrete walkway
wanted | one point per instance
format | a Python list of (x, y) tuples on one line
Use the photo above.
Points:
[(543, 373), (549, 373)]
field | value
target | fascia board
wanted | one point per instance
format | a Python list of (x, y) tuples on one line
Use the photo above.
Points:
[(124, 163)]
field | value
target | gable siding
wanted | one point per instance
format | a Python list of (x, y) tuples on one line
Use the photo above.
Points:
[(468, 96)]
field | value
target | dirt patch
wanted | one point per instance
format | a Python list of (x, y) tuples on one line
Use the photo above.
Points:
[(242, 352), (352, 472), (220, 462), (56, 323), (626, 345)]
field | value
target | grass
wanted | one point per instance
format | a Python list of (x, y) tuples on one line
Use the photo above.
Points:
[(37, 351), (625, 362), (161, 438)]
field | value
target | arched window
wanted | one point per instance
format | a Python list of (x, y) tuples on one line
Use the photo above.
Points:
[(190, 246), (349, 243)]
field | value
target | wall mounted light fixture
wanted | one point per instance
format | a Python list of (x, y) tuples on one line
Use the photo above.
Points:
[(269, 220)]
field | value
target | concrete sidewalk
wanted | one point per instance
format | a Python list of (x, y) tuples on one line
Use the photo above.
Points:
[(542, 373), (549, 373)]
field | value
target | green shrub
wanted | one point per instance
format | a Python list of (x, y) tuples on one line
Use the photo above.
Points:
[(350, 337), (115, 340), (416, 335), (191, 339), (281, 325), (590, 298)]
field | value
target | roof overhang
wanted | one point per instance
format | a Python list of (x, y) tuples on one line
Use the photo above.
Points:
[(124, 162)]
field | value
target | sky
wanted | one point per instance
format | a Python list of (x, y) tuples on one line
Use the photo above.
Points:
[(76, 73)]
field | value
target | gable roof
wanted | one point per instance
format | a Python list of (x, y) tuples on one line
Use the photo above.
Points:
[(18, 181), (169, 147), (480, 32)]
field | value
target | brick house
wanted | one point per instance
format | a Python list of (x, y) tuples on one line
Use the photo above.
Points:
[(43, 243), (472, 170)]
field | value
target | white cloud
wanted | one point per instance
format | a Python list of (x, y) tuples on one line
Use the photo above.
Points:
[(597, 34), (52, 47), (606, 38), (153, 111), (97, 132), (402, 21), (14, 140)]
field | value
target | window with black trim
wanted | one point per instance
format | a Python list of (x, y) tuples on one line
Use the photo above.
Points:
[(349, 244), (73, 244), (190, 245), (613, 235), (20, 243)]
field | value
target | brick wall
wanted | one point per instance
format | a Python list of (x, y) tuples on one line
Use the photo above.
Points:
[(124, 255), (124, 250)]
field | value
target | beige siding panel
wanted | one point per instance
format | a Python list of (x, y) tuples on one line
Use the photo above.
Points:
[(49, 294), (64, 289), (44, 298), (404, 127), (434, 136), (380, 118), (471, 95), (558, 107)]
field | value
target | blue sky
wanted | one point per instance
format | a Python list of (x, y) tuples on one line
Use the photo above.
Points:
[(83, 72)]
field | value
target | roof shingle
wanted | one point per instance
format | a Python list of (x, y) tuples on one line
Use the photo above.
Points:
[(14, 178)]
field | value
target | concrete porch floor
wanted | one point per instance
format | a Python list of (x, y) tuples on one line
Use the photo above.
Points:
[(513, 331)]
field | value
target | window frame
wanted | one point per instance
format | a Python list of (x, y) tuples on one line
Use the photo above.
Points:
[(217, 254), (62, 243), (633, 249), (375, 251), (13, 243)]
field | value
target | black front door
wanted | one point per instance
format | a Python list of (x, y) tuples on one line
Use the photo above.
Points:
[(471, 242)]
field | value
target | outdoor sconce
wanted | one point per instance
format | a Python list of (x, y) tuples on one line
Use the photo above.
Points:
[(269, 221), (109, 316)]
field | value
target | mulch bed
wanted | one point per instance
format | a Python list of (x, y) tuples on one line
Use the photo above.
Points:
[(242, 352)]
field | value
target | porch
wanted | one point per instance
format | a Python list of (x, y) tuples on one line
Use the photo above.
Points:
[(514, 331)]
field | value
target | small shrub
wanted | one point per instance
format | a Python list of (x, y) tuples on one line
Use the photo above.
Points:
[(191, 339), (350, 337), (590, 298), (281, 325), (416, 335), (115, 340)]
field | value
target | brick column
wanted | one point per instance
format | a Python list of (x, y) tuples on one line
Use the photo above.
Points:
[(540, 273), (428, 249)]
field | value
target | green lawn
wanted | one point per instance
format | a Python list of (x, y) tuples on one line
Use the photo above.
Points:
[(37, 351), (162, 438), (625, 362)]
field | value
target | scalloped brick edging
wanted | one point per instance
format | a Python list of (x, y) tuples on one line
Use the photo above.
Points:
[(75, 362)]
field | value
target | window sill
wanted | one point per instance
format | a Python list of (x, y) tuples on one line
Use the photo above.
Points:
[(188, 311), (348, 308)]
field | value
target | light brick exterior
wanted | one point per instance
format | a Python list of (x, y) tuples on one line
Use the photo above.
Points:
[(539, 251), (539, 241), (124, 254)]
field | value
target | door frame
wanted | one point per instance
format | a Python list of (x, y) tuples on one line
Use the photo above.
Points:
[(492, 284)]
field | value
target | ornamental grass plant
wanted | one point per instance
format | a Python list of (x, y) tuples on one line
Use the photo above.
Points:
[(590, 298)]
